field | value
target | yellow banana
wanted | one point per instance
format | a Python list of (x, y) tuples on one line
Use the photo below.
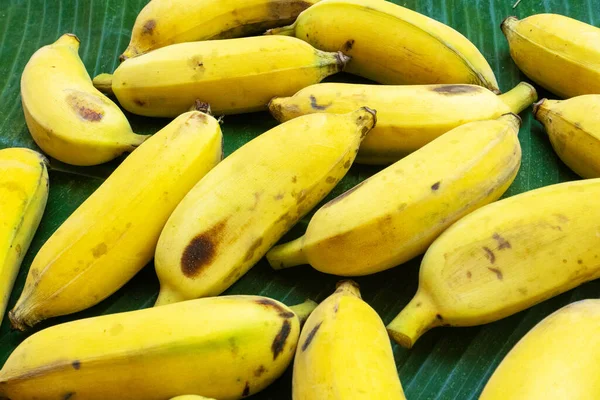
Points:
[(68, 118), (233, 76), (396, 214), (165, 22), (504, 258), (191, 397), (573, 126), (408, 117), (113, 234), (415, 50), (556, 360), (557, 52), (232, 217), (344, 352), (227, 347), (23, 195)]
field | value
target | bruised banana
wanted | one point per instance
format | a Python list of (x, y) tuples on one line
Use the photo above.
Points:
[(225, 347), (113, 234), (396, 214), (557, 52), (68, 118), (344, 352), (416, 48), (165, 22), (23, 195), (234, 215), (504, 258), (408, 117), (233, 76)]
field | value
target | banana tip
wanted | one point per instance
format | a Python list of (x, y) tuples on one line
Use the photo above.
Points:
[(506, 21), (515, 117), (342, 59), (16, 322), (373, 113), (536, 107), (400, 338)]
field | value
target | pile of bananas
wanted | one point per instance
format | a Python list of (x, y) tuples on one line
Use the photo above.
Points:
[(207, 220)]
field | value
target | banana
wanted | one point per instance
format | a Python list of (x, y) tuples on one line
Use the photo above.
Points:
[(344, 352), (191, 397), (504, 258), (23, 196), (227, 347), (557, 52), (557, 359), (68, 118), (396, 214), (234, 215), (408, 117), (573, 127), (415, 50), (165, 22), (113, 234), (233, 76)]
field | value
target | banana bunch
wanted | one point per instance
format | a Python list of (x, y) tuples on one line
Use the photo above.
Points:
[(504, 258), (68, 118), (228, 348), (396, 214), (557, 52), (416, 48), (344, 352), (113, 234), (408, 117), (165, 22), (23, 195), (229, 220), (233, 76)]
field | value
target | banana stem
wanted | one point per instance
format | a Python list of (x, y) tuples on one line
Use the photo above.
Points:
[(414, 320), (103, 83), (520, 97), (289, 30), (348, 286), (287, 255), (304, 310)]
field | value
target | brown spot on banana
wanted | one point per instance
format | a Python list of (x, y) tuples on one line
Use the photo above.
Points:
[(502, 243), (149, 27), (281, 338), (99, 250), (330, 179), (85, 106), (201, 250), (259, 371), (269, 303), (311, 336), (457, 89), (435, 186), (490, 255), (68, 396), (252, 249), (316, 106), (76, 364), (497, 272), (348, 46), (246, 391)]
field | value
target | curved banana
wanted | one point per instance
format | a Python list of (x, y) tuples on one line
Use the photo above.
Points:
[(232, 217), (225, 347), (233, 76), (408, 117), (68, 118), (573, 127), (23, 195), (344, 352), (165, 22), (416, 49), (504, 258), (113, 234), (557, 52)]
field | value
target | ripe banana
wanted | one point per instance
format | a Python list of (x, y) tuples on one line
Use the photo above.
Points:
[(234, 215), (415, 50), (23, 195), (68, 118), (396, 214), (233, 76), (504, 258), (165, 22), (344, 352), (574, 129), (227, 347), (557, 52), (557, 359), (113, 234), (408, 117)]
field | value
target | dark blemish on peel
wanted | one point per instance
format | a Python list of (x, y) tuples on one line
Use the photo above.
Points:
[(348, 45), (276, 306), (523, 291), (149, 26), (579, 261), (279, 196), (69, 396), (89, 114), (347, 164), (456, 89), (490, 255), (311, 336), (252, 249), (330, 179), (439, 317), (502, 243), (435, 186), (139, 102), (99, 250), (316, 106), (261, 370), (469, 274), (280, 339), (294, 179), (497, 272), (76, 364), (564, 260), (246, 391), (201, 250)]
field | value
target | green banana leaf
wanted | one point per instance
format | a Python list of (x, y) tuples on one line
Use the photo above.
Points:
[(446, 363)]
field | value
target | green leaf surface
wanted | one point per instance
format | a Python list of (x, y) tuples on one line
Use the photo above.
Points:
[(446, 363)]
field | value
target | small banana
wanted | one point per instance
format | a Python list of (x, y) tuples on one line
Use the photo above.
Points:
[(234, 215), (504, 258), (233, 76), (23, 195), (68, 118), (408, 117), (225, 347), (165, 22), (113, 234), (396, 214), (416, 48), (557, 52), (574, 129)]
